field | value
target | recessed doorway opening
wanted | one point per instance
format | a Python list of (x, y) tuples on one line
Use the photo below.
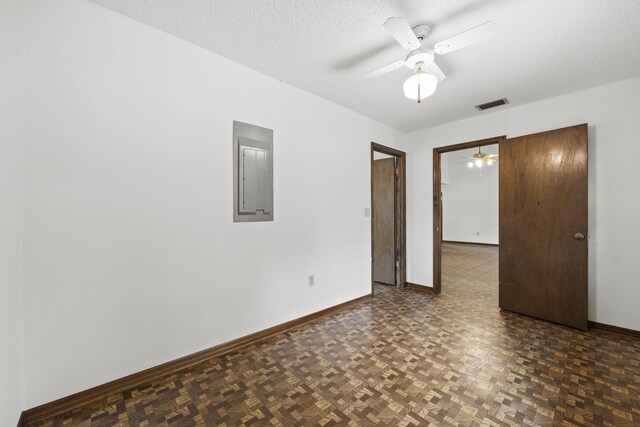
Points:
[(470, 216), (466, 208), (388, 220)]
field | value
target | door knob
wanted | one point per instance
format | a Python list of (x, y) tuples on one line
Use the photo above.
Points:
[(578, 236)]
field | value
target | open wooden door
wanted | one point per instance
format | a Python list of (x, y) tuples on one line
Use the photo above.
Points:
[(384, 208), (543, 225)]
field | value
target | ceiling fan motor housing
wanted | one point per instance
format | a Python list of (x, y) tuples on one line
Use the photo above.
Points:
[(421, 31), (426, 56), (418, 56)]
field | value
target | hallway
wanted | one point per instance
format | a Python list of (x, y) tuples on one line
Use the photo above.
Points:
[(470, 272)]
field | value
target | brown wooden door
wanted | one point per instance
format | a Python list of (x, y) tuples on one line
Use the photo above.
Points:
[(383, 217), (543, 225)]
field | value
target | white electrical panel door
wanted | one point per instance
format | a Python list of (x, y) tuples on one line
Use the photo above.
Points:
[(254, 172)]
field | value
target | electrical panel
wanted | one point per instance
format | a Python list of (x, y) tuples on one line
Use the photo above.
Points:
[(252, 173)]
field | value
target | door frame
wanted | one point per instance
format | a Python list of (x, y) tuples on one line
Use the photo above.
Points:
[(400, 211), (437, 201)]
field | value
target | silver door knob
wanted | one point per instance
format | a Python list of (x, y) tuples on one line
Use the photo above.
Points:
[(578, 236)]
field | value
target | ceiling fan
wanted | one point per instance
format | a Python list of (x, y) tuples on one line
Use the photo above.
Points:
[(426, 73), (480, 159)]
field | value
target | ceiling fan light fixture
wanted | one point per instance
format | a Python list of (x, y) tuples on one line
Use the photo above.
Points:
[(419, 57), (420, 86), (470, 164), (479, 163)]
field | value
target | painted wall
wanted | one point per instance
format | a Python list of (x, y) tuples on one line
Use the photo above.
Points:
[(612, 112), (131, 255), (12, 111), (470, 198), (380, 156)]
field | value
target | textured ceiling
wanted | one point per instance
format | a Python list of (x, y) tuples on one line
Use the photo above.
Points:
[(544, 48)]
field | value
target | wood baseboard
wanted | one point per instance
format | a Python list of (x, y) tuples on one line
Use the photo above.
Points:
[(614, 329), (419, 288), (470, 243), (93, 394)]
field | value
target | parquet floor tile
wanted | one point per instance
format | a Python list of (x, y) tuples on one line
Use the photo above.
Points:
[(405, 358)]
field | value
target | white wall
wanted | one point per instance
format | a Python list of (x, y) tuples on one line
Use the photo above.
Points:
[(612, 112), (12, 39), (444, 169), (131, 255), (470, 198), (379, 156)]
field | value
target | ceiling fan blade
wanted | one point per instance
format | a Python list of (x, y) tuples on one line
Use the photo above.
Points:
[(467, 38), (436, 71), (401, 31), (384, 70)]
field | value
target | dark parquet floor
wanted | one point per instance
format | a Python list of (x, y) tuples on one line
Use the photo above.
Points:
[(405, 358)]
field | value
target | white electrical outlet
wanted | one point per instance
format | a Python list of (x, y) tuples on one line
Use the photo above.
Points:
[(312, 280), (367, 212)]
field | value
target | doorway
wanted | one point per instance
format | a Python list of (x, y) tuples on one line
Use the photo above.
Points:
[(543, 220), (388, 217), (440, 169)]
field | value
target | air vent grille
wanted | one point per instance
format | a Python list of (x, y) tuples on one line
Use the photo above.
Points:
[(492, 104)]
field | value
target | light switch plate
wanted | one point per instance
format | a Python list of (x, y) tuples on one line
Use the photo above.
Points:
[(367, 212)]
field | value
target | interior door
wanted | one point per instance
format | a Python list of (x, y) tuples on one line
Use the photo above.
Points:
[(383, 217), (543, 225)]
